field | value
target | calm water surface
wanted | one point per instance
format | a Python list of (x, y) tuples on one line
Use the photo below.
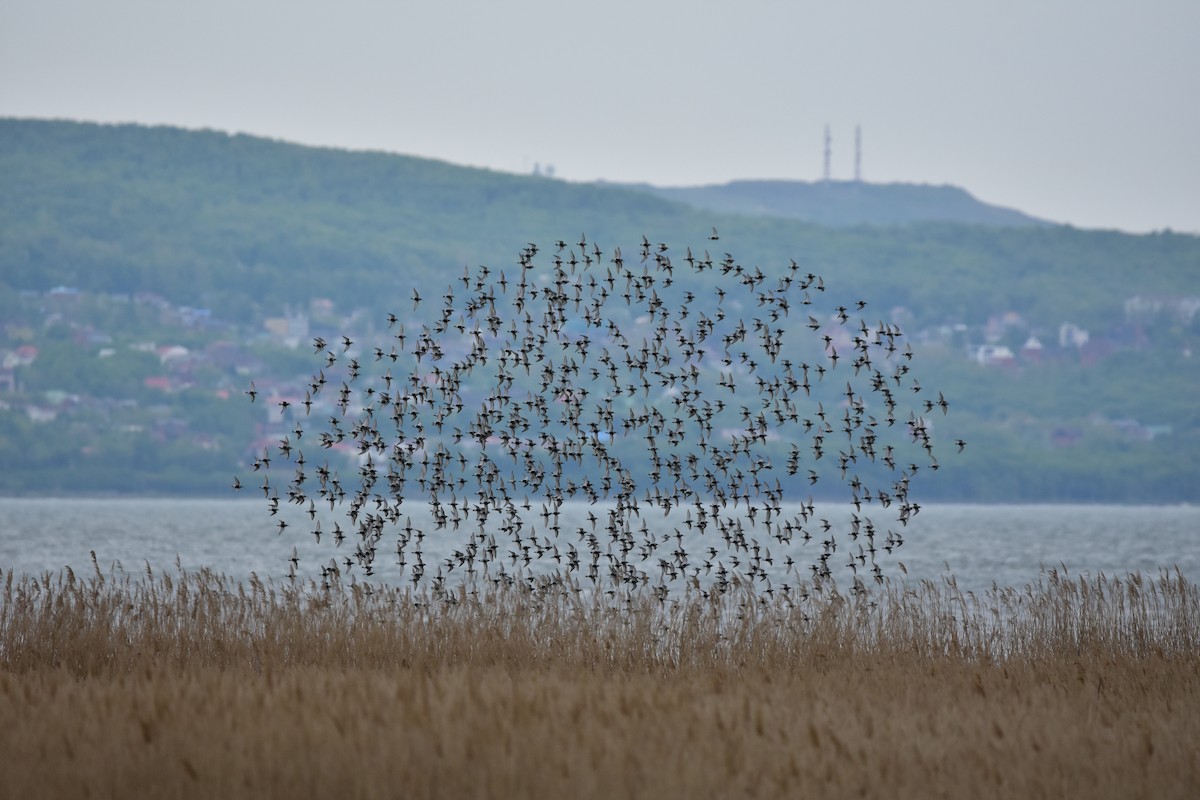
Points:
[(978, 545)]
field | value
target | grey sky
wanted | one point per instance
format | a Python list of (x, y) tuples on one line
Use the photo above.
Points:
[(1080, 111)]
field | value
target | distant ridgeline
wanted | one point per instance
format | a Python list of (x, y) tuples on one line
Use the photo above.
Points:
[(247, 226), (845, 202)]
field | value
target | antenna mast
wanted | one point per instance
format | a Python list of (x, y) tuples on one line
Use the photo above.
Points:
[(828, 153), (858, 153)]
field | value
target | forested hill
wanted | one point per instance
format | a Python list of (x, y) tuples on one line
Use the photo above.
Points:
[(147, 274), (246, 226), (845, 202)]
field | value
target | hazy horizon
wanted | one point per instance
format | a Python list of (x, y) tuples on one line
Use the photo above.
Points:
[(1075, 113)]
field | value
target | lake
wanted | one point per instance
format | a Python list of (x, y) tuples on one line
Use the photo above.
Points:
[(978, 545)]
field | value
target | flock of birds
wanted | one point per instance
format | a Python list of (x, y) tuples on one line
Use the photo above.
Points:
[(689, 403)]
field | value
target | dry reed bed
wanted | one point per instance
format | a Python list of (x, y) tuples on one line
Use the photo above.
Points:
[(196, 686)]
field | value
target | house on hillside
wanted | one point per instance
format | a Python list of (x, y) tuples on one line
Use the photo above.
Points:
[(998, 326), (1071, 335), (10, 363), (1032, 350), (289, 330), (993, 355), (1139, 309)]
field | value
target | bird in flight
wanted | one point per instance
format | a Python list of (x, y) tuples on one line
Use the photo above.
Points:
[(625, 389)]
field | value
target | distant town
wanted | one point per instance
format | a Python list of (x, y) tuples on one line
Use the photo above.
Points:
[(138, 367)]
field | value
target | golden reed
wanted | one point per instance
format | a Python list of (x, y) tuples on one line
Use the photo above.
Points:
[(195, 685)]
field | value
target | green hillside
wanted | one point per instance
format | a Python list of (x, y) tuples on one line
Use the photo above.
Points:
[(243, 224), (121, 242)]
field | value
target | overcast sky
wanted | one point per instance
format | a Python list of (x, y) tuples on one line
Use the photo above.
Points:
[(1079, 111)]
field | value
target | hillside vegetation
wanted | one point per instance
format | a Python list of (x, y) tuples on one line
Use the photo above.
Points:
[(237, 222), (144, 272)]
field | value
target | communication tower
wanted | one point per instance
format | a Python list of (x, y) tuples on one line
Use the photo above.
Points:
[(828, 154), (858, 153)]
